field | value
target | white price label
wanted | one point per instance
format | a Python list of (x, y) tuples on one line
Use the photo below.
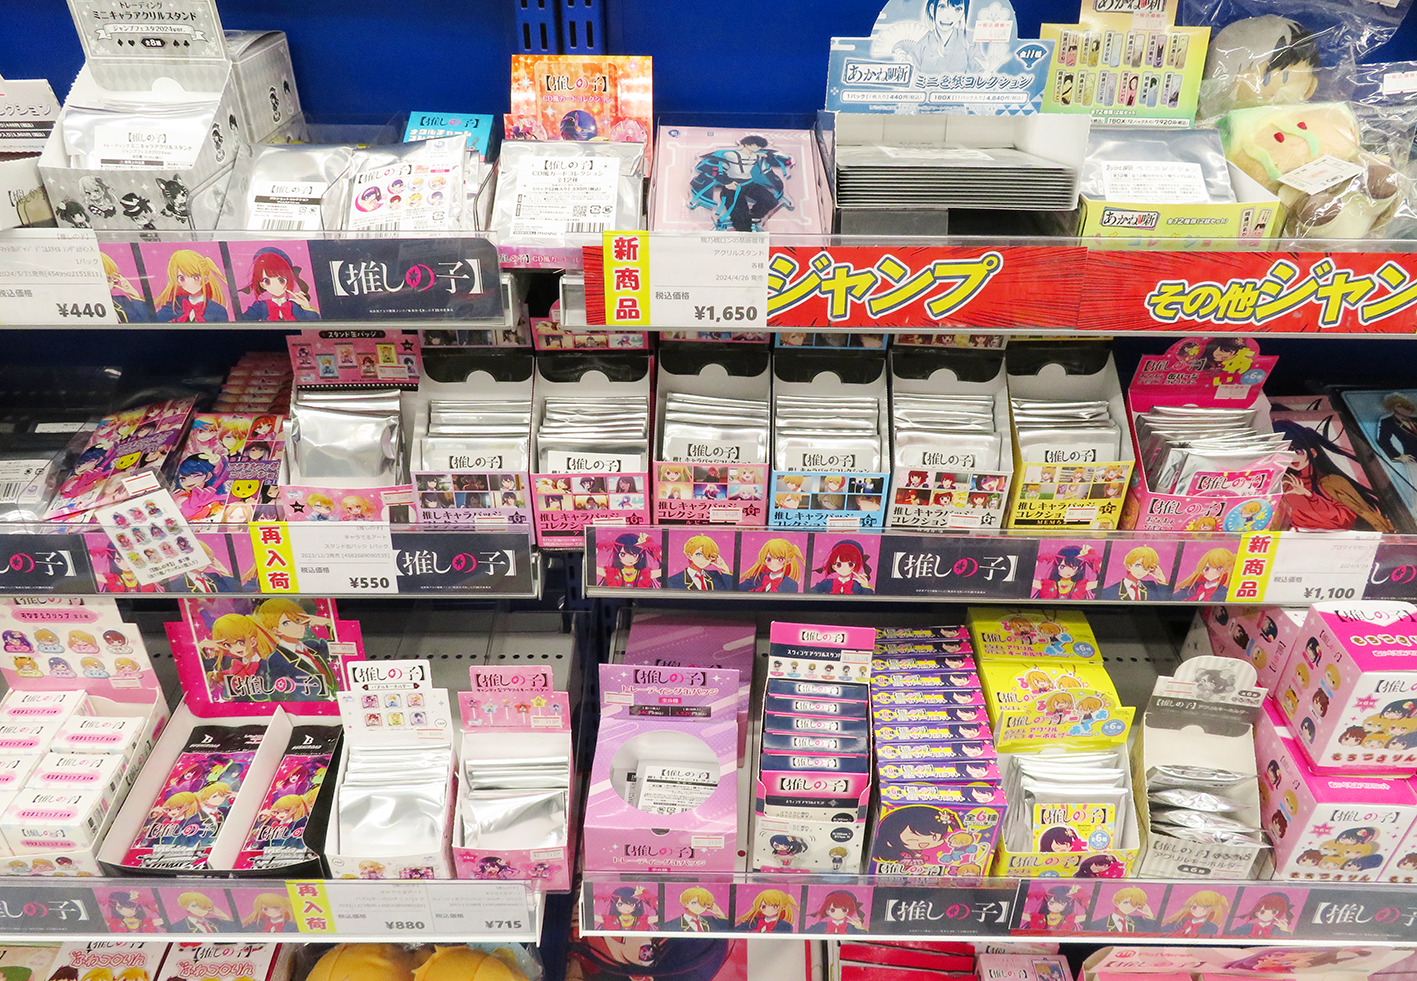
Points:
[(1316, 567), (53, 276), (559, 196), (709, 279), (1399, 83), (333, 557), (466, 910), (380, 908), (1321, 174)]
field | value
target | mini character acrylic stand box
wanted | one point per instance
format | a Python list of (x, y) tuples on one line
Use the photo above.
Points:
[(265, 80), (392, 706), (813, 790), (1265, 636), (955, 486), (196, 798), (1211, 374), (574, 488), (508, 716), (719, 480), (482, 482), (663, 786), (1202, 717), (1336, 828), (1349, 690), (815, 482), (123, 170), (1060, 486), (58, 646)]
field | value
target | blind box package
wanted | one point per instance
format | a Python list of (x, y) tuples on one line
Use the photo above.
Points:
[(711, 424), (950, 472)]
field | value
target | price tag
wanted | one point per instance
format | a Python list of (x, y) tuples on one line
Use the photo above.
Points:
[(334, 557), (52, 276), (380, 908), (1320, 566), (709, 279), (474, 909)]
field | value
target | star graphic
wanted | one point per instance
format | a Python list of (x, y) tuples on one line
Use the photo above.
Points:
[(1323, 829), (298, 508), (408, 347), (1366, 702), (538, 701)]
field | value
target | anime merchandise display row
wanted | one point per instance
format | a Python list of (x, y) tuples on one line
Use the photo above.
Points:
[(289, 755), (145, 910)]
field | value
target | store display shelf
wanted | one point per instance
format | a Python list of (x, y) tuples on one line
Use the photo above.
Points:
[(450, 561), (926, 908), (1285, 568), (324, 910)]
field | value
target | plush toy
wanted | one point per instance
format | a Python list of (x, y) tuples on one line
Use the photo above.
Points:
[(364, 962), (1269, 142), (465, 964), (1258, 61)]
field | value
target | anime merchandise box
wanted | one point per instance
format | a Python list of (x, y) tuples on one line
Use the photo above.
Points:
[(265, 81), (244, 962), (573, 488), (392, 707), (133, 960), (1332, 963), (1264, 636), (663, 785), (815, 485), (1018, 858), (1335, 828), (480, 482), (121, 710), (938, 486), (23, 962), (1349, 690), (721, 478), (508, 716), (166, 828), (1066, 488), (1208, 373), (159, 169), (1203, 717), (31, 110), (1254, 216)]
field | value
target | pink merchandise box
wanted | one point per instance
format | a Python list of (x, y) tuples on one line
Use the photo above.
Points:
[(1349, 690), (680, 715), (1217, 373), (1327, 828)]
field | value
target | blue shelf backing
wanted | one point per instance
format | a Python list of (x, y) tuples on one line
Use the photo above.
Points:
[(538, 31), (583, 27)]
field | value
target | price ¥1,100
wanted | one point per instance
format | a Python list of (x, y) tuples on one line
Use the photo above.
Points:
[(725, 314), (85, 310), (1332, 593)]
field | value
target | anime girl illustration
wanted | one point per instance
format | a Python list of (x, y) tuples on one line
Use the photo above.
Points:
[(838, 913), (358, 508), (195, 290), (138, 210), (772, 911), (99, 196), (492, 867), (1058, 909), (629, 908), (270, 913), (915, 835), (1210, 579), (1318, 494), (198, 478), (1101, 867), (777, 569), (1202, 915), (847, 571), (743, 186), (1288, 960), (73, 213), (174, 199), (1073, 576), (785, 848), (277, 291), (236, 650), (630, 558), (131, 912), (128, 302), (1061, 839), (1268, 917)]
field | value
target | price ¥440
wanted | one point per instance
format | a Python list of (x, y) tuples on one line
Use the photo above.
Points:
[(82, 310), (725, 314)]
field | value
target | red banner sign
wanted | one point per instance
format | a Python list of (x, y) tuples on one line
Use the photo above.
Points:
[(1251, 292)]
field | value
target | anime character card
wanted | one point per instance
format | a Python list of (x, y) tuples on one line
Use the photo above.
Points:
[(309, 502), (154, 539), (1387, 419), (247, 655), (122, 444), (230, 468), (444, 498), (582, 97), (190, 282), (277, 836), (375, 358), (192, 805), (272, 282)]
